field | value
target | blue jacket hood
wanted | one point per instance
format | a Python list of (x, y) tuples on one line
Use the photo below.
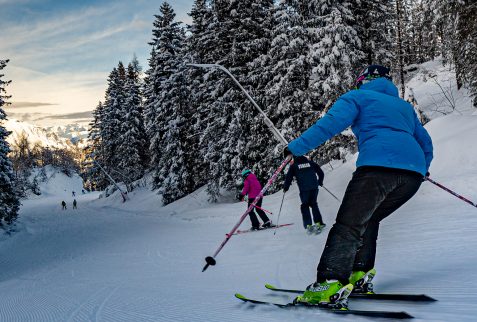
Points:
[(381, 85)]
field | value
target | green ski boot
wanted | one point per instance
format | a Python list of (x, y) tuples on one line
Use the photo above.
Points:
[(310, 229), (318, 228), (362, 281), (331, 294)]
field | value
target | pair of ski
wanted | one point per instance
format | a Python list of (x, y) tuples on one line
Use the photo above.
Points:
[(238, 232), (368, 313)]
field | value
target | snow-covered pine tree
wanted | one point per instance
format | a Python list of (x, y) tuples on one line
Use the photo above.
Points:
[(198, 50), (177, 164), (374, 24), (466, 60), (281, 78), (94, 152), (132, 139), (163, 91), (112, 120), (241, 37), (9, 203), (335, 51)]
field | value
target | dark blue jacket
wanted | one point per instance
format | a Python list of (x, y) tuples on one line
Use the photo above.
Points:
[(305, 172), (388, 131)]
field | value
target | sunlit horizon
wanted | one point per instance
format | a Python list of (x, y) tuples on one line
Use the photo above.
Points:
[(61, 52)]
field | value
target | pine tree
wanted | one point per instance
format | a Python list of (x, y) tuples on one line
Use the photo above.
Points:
[(201, 86), (282, 77), (94, 151), (112, 120), (9, 203), (162, 96), (466, 60), (241, 37), (132, 139), (336, 50), (374, 24)]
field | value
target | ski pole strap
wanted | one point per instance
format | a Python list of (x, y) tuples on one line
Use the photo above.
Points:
[(451, 192), (211, 259)]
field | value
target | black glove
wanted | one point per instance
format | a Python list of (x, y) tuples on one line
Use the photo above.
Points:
[(320, 183), (286, 152), (285, 190)]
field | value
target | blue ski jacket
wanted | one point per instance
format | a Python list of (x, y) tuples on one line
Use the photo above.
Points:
[(388, 131)]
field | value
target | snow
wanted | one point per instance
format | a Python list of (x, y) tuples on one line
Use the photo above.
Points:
[(54, 137), (434, 86), (138, 261), (57, 184)]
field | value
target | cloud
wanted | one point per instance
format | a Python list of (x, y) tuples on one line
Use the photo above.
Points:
[(69, 116), (29, 104), (25, 117), (61, 52)]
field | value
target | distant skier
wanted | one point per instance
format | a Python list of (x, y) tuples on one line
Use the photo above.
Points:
[(395, 152), (82, 191), (73, 194), (305, 172), (252, 188), (75, 204), (63, 205)]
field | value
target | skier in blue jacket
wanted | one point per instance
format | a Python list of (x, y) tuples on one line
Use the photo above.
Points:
[(395, 152)]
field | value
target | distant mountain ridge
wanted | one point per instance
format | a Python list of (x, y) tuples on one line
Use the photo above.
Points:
[(65, 136)]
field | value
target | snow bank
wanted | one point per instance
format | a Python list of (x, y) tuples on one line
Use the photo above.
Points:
[(56, 183), (435, 90)]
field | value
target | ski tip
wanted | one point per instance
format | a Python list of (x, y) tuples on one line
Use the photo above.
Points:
[(270, 286), (404, 315), (427, 298), (240, 297)]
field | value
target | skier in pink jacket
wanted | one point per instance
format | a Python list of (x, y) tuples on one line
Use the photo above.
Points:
[(252, 188)]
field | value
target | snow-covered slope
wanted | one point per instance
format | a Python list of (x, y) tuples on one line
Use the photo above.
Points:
[(109, 261), (138, 261), (434, 88), (56, 184)]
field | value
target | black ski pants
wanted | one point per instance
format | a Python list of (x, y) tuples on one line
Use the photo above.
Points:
[(260, 212), (372, 194), (308, 200)]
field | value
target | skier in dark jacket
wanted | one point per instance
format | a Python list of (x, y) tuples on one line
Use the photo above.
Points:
[(75, 204), (305, 172), (252, 188), (63, 205), (395, 152)]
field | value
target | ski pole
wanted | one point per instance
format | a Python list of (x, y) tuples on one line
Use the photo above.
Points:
[(279, 212), (331, 194), (450, 191), (268, 212), (210, 260)]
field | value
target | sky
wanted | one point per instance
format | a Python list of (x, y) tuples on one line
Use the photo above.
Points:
[(61, 52)]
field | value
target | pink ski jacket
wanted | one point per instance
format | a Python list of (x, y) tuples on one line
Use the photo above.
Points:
[(251, 186)]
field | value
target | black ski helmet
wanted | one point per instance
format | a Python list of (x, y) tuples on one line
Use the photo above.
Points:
[(370, 73)]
